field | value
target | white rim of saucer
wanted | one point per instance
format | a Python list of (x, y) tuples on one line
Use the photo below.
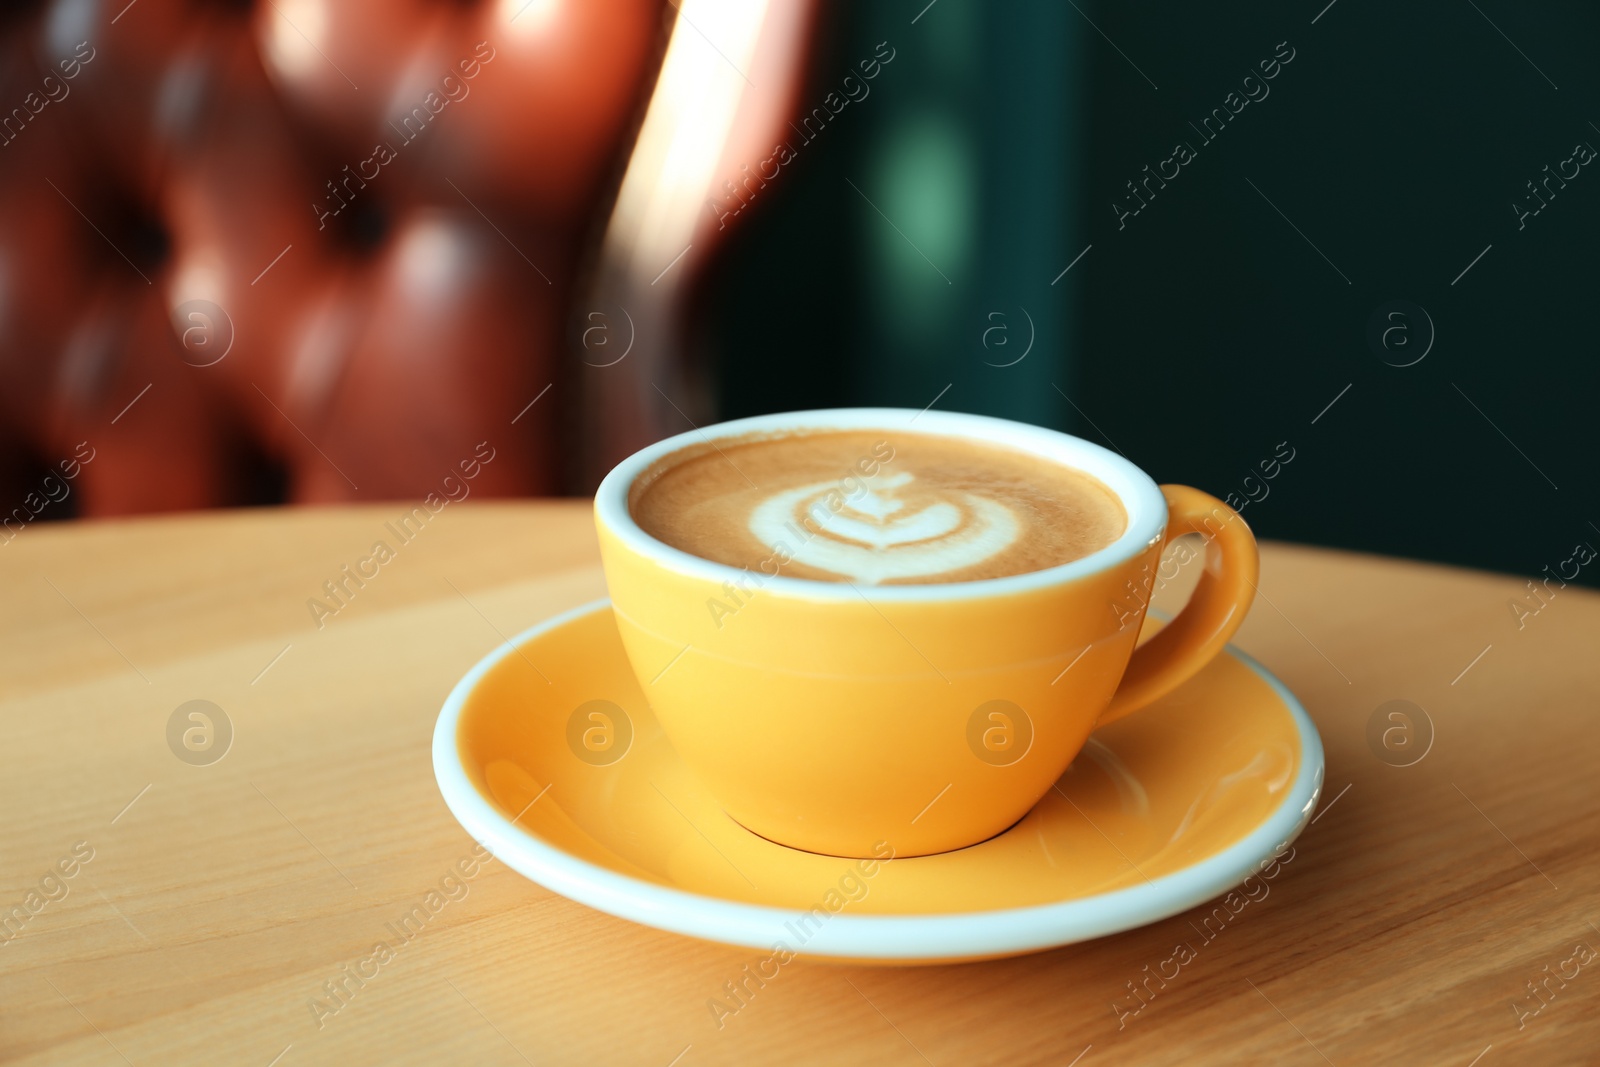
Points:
[(1140, 496), (889, 938)]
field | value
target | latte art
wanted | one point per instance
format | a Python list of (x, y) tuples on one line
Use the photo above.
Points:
[(880, 535), (875, 507)]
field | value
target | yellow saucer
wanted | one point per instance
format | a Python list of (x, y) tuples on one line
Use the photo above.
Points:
[(547, 752)]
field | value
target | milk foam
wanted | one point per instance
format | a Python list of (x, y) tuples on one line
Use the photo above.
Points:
[(876, 535), (874, 506)]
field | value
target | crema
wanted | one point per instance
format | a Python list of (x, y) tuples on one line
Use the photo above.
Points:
[(874, 507)]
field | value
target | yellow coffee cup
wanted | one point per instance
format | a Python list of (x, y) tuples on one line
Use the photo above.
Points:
[(830, 717)]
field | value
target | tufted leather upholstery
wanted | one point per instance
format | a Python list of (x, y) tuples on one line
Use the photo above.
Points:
[(313, 250)]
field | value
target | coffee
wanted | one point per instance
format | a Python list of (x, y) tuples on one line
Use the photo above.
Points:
[(874, 507)]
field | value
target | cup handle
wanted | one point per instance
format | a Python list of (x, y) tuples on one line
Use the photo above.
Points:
[(1215, 609)]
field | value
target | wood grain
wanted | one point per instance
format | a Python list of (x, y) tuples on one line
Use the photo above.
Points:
[(1406, 929)]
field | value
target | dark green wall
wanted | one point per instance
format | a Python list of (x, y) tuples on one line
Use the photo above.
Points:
[(1200, 333)]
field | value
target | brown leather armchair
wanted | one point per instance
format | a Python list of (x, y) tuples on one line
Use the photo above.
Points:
[(313, 250)]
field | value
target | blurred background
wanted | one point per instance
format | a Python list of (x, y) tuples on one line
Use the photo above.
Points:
[(1329, 261)]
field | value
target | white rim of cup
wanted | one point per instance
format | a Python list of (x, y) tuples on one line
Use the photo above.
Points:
[(1138, 493)]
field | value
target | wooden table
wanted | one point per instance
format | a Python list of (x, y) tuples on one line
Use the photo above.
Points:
[(221, 897)]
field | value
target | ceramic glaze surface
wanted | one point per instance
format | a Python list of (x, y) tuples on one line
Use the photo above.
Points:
[(829, 716), (1178, 800)]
